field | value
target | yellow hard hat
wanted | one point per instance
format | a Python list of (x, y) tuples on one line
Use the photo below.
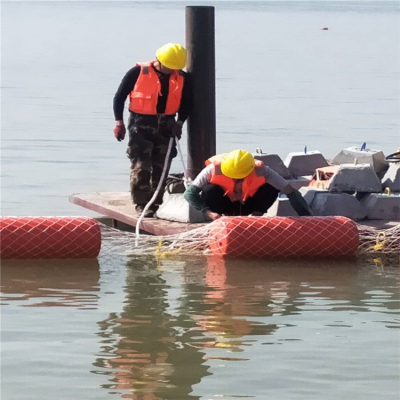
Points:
[(237, 164), (172, 55)]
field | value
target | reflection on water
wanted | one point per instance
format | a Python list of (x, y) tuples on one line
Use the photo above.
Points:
[(48, 314), (185, 320), (148, 349), (50, 283), (188, 329)]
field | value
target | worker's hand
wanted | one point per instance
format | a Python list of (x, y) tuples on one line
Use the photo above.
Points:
[(119, 131), (177, 129), (213, 215)]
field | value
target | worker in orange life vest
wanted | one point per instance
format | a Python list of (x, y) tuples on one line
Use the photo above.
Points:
[(157, 91), (237, 184)]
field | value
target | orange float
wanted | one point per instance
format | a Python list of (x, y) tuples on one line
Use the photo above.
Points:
[(283, 237), (49, 237)]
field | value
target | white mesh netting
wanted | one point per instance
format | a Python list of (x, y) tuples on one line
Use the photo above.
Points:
[(200, 240), (79, 237)]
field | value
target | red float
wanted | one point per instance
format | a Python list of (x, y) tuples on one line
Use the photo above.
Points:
[(283, 236), (49, 237)]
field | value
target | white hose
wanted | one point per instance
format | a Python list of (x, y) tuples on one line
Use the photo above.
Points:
[(160, 183), (186, 179)]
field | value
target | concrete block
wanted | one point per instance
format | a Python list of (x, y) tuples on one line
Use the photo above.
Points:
[(281, 208), (300, 181), (309, 192), (392, 178), (331, 204), (176, 208), (355, 178), (375, 158), (301, 163), (381, 206), (274, 162)]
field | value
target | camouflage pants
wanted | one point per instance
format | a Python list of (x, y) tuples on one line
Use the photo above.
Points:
[(148, 144)]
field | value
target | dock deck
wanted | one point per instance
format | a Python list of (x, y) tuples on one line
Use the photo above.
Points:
[(118, 206)]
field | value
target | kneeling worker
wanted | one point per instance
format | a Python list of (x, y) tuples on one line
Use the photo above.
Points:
[(237, 184)]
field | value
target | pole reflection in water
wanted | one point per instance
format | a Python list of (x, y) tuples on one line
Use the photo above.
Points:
[(148, 346)]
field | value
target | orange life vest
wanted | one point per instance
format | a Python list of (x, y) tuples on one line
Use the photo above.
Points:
[(251, 183), (144, 96)]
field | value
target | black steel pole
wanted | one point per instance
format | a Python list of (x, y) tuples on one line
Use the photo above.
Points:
[(200, 43)]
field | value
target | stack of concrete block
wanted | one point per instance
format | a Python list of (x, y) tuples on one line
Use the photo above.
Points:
[(357, 177), (336, 197), (321, 203), (355, 155), (362, 180), (385, 205)]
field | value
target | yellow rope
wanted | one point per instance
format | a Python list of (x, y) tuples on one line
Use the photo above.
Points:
[(165, 254), (380, 242), (158, 249)]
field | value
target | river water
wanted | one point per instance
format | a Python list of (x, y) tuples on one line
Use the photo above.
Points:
[(195, 328), (200, 329), (282, 83)]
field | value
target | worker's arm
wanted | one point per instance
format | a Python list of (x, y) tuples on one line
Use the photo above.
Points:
[(192, 196), (185, 107), (186, 100), (295, 198), (192, 193), (296, 201), (126, 86)]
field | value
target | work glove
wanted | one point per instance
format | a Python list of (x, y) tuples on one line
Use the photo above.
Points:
[(177, 129), (119, 132)]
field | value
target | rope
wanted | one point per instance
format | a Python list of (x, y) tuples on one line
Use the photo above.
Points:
[(164, 172)]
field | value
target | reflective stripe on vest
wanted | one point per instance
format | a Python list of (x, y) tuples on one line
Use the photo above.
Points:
[(250, 185), (144, 96)]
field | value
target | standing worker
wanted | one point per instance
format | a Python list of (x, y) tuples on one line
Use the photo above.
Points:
[(237, 184), (157, 90)]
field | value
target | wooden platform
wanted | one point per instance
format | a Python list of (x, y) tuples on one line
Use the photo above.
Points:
[(118, 206)]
